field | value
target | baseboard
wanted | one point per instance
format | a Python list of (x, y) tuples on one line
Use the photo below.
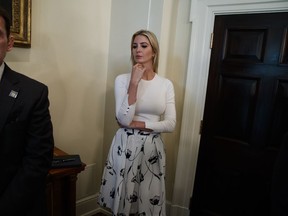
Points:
[(178, 210), (89, 206)]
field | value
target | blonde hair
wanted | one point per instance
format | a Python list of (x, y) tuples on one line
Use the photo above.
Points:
[(154, 44)]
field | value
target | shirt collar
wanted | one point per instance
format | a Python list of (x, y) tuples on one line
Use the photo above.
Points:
[(1, 70)]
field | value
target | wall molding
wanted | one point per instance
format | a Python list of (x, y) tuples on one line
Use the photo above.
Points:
[(90, 203), (88, 206)]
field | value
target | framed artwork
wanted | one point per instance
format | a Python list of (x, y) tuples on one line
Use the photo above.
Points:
[(20, 16)]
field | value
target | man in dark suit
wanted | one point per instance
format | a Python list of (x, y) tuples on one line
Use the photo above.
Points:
[(26, 137)]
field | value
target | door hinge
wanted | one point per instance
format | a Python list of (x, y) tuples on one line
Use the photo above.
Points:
[(201, 127), (211, 40)]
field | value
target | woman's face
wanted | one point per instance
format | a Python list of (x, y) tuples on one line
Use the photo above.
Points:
[(142, 50)]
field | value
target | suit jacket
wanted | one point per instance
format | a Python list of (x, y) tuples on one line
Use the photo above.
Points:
[(26, 144)]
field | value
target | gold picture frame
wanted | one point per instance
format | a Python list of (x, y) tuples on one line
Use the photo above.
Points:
[(21, 23)]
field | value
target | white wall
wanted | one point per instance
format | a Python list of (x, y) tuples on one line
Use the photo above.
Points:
[(169, 20), (69, 53), (78, 47)]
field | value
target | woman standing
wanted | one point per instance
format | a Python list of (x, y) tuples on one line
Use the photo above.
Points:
[(134, 175)]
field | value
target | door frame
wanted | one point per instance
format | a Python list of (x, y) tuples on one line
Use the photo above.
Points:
[(202, 15)]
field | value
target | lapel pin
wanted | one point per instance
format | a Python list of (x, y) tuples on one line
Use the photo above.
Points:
[(13, 94)]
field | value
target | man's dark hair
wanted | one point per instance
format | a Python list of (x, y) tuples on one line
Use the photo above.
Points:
[(5, 16)]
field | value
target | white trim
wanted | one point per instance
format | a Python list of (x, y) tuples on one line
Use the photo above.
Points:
[(149, 14), (88, 206), (202, 17)]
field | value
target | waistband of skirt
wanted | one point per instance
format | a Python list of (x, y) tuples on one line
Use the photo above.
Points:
[(139, 132)]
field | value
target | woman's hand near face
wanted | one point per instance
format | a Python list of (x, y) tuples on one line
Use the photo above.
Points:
[(137, 73)]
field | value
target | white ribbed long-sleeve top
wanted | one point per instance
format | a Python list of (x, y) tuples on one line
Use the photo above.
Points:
[(155, 103)]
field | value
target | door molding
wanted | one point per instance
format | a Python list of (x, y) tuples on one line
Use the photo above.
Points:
[(202, 14)]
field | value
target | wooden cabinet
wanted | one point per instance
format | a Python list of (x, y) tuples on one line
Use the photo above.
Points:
[(61, 189)]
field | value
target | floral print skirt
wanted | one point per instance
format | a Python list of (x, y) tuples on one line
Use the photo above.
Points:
[(133, 180)]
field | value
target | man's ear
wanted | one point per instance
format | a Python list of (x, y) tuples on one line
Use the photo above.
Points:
[(10, 43)]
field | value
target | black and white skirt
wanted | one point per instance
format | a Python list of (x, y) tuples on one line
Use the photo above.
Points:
[(133, 180)]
